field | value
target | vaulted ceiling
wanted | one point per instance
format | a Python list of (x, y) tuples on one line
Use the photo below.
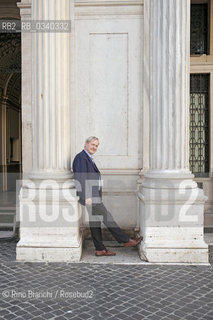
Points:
[(10, 56), (10, 52)]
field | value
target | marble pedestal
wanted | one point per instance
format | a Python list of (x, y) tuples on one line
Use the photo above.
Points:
[(49, 226), (172, 220)]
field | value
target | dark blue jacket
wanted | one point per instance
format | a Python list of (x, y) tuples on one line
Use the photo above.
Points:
[(87, 177)]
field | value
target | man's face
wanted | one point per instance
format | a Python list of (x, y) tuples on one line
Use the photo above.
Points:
[(92, 146)]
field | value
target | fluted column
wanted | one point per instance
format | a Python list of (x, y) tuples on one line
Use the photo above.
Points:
[(171, 205), (49, 209), (3, 143), (169, 84), (51, 92)]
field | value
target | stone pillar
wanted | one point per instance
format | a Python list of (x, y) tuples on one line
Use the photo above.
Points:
[(49, 221), (26, 88), (171, 203), (3, 143)]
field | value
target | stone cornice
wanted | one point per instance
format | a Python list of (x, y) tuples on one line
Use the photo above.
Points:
[(93, 9), (27, 4), (79, 3), (25, 8)]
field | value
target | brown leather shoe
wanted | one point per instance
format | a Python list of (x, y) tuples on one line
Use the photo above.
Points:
[(133, 242), (100, 253)]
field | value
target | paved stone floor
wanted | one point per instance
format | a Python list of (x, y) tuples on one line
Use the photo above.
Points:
[(102, 291)]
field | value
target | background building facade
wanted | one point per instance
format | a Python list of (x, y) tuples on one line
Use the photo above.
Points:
[(119, 77)]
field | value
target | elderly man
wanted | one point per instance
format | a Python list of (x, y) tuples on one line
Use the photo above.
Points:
[(88, 185)]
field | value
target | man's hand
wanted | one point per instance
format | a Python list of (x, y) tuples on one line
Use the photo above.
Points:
[(89, 201)]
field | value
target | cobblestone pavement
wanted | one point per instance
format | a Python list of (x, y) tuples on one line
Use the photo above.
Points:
[(102, 291)]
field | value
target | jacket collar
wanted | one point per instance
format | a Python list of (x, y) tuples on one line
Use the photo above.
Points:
[(86, 155), (90, 156), (93, 163)]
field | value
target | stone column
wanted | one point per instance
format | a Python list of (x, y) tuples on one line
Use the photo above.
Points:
[(26, 88), (171, 203), (3, 143), (49, 227), (51, 93)]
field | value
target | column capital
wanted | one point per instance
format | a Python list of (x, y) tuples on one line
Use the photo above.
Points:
[(25, 9), (4, 99)]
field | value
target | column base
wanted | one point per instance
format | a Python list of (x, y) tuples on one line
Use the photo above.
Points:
[(174, 245), (49, 225), (171, 219), (29, 252)]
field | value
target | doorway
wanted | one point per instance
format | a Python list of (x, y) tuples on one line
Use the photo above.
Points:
[(10, 110)]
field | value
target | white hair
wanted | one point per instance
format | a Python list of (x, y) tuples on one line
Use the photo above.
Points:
[(91, 138)]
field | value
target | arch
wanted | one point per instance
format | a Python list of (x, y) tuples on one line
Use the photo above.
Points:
[(6, 83)]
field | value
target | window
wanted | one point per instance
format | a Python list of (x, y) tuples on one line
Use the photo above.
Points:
[(199, 43), (199, 125)]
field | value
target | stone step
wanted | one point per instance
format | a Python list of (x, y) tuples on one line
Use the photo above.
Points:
[(6, 234), (7, 209), (123, 255), (208, 220), (208, 237), (7, 225), (7, 222)]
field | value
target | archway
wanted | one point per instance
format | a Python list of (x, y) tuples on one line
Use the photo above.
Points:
[(10, 110)]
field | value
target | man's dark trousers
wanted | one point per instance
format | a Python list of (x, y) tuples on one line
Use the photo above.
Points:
[(85, 171), (98, 213)]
